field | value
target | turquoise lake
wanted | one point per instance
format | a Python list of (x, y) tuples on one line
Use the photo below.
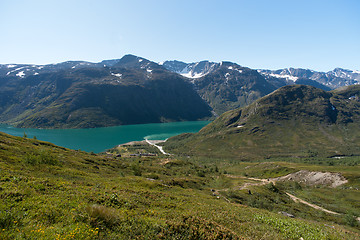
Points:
[(99, 139)]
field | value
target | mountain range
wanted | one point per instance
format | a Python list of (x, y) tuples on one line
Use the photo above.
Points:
[(333, 79), (131, 90)]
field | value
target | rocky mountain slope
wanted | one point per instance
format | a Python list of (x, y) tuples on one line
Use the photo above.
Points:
[(224, 86), (231, 86), (294, 121)]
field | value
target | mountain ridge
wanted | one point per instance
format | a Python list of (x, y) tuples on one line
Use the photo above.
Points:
[(333, 79), (189, 70), (338, 77)]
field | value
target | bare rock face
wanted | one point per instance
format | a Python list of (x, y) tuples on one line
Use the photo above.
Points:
[(316, 178)]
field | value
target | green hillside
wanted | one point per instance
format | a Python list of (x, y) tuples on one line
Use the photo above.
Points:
[(293, 121), (49, 192)]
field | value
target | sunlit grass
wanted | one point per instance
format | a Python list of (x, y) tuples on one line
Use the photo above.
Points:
[(87, 196)]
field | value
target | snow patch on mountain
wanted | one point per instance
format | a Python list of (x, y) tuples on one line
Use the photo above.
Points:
[(21, 74), (191, 74), (286, 76), (191, 70), (119, 75)]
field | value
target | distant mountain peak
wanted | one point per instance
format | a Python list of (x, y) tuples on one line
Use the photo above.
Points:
[(131, 59), (135, 62)]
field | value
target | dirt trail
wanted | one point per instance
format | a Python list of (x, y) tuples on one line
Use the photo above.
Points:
[(261, 181), (296, 199)]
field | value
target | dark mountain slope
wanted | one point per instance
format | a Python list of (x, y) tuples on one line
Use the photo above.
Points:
[(309, 82), (133, 90), (295, 120)]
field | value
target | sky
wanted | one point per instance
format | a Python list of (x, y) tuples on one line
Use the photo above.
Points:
[(260, 34)]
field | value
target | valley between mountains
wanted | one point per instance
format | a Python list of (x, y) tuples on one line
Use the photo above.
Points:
[(280, 160)]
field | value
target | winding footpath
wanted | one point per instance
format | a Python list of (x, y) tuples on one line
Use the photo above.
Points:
[(296, 199)]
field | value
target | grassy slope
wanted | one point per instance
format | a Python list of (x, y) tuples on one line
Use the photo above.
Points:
[(293, 121), (49, 192)]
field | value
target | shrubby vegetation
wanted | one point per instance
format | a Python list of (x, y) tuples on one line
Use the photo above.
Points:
[(48, 192), (41, 156)]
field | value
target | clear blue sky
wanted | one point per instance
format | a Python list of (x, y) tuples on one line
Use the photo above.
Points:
[(315, 34)]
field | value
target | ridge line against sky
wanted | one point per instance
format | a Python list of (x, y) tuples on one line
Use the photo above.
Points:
[(319, 35)]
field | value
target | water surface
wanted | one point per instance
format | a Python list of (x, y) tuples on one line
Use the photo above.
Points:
[(99, 139)]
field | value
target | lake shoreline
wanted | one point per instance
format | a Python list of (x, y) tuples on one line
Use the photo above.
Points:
[(101, 139)]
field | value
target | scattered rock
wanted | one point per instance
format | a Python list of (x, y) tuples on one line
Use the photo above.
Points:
[(330, 226), (287, 214)]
